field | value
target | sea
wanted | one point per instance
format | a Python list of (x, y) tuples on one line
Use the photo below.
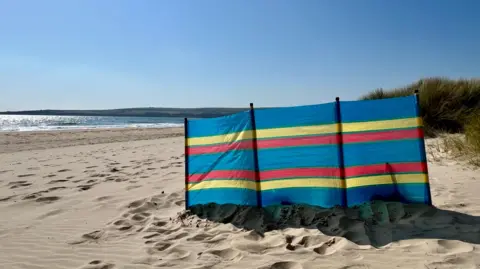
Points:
[(25, 123)]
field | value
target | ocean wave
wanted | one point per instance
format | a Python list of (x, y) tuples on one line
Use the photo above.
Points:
[(85, 127), (66, 123)]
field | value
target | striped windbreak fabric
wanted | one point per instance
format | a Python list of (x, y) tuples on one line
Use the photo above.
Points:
[(341, 153)]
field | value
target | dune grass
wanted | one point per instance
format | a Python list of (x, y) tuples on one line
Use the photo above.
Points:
[(447, 106)]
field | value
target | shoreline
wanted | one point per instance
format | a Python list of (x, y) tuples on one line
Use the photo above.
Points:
[(97, 127), (16, 141)]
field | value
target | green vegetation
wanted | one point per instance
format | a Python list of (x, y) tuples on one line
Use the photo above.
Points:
[(447, 106)]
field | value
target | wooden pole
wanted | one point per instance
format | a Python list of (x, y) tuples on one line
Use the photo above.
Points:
[(185, 127), (340, 151), (255, 156), (421, 131)]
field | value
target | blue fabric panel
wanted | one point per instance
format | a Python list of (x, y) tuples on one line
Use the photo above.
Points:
[(298, 157), (376, 110), (405, 193), (295, 116), (323, 197), (230, 160), (308, 156), (218, 126), (223, 196), (395, 151)]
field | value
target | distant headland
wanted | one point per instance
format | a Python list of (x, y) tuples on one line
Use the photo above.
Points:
[(135, 112)]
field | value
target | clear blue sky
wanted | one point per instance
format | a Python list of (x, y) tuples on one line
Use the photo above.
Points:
[(84, 54)]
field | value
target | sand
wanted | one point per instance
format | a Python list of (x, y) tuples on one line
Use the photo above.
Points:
[(72, 200)]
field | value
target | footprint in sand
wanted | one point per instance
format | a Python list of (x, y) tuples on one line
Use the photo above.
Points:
[(452, 263), (150, 236), (34, 195), (326, 248), (312, 240), (85, 187), (51, 213), (103, 198), (176, 236), (47, 199), (17, 184), (448, 247), (133, 187), (283, 265), (175, 253), (227, 254), (4, 199), (100, 175), (26, 175), (120, 179), (56, 188), (97, 264), (88, 237), (57, 181), (356, 266), (161, 246)]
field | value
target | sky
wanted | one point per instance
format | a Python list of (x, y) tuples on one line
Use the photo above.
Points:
[(91, 54)]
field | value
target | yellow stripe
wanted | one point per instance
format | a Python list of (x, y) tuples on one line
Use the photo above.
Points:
[(302, 183), (298, 131), (381, 125), (264, 133), (214, 184), (218, 139), (268, 185), (306, 130), (419, 121), (310, 182), (386, 179)]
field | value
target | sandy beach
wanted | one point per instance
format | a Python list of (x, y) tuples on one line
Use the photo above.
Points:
[(105, 199)]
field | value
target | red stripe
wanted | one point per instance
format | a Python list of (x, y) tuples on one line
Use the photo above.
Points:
[(420, 167), (223, 174), (420, 133), (266, 143), (247, 144), (309, 140), (298, 141), (300, 172), (382, 135)]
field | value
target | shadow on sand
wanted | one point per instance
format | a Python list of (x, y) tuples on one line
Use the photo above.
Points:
[(377, 223)]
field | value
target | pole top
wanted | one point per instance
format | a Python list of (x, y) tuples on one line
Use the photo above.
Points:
[(337, 98)]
